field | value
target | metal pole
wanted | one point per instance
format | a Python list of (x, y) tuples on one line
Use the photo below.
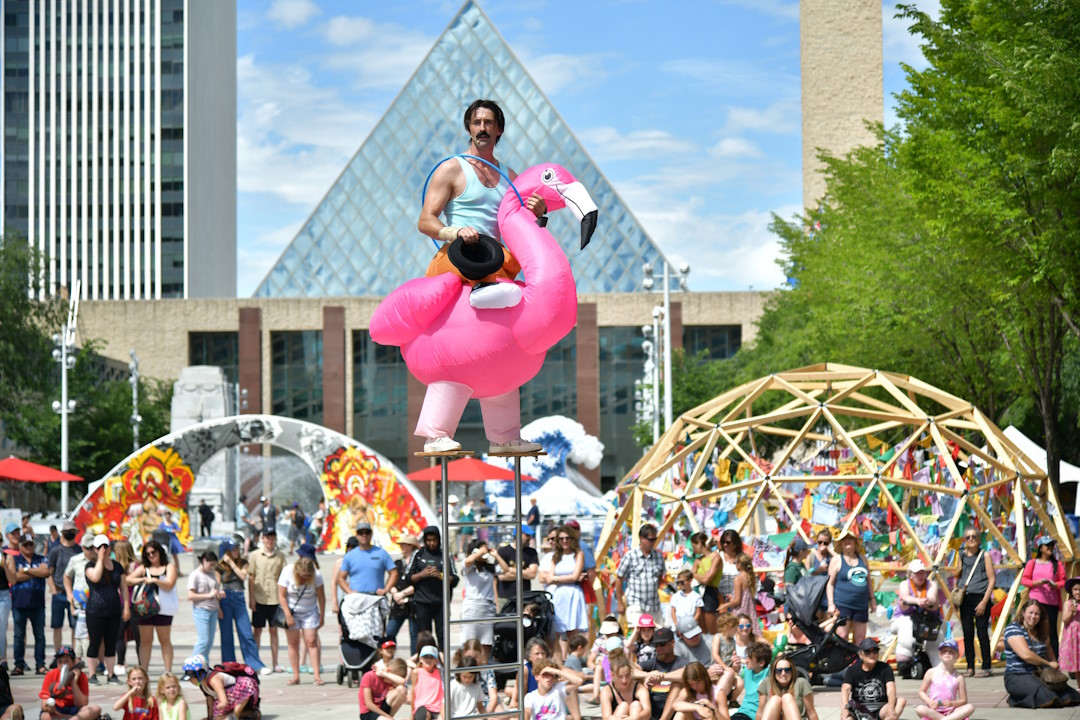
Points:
[(655, 399), (133, 367), (64, 416), (667, 347), (518, 583), (444, 641)]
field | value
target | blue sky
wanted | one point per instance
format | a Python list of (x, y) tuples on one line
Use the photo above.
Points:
[(691, 109)]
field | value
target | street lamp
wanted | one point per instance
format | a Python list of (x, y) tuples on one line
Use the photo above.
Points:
[(665, 312), (63, 354), (136, 418), (240, 404)]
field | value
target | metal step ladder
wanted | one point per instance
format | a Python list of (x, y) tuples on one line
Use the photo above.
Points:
[(444, 642)]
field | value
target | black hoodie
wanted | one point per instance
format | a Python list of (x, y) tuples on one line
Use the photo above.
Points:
[(429, 590)]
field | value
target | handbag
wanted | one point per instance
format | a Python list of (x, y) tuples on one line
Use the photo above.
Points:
[(144, 601), (957, 595), (1053, 678), (279, 615)]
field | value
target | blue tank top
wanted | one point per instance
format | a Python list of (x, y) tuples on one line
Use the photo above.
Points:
[(852, 585), (478, 206)]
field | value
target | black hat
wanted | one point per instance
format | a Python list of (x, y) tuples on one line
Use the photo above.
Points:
[(477, 260), (269, 530), (663, 635), (869, 645)]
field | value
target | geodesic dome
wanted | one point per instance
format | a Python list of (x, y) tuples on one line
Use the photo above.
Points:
[(903, 464)]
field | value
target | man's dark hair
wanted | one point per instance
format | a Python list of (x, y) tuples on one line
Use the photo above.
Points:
[(647, 529), (500, 120)]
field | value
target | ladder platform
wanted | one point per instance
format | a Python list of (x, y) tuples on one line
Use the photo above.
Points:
[(449, 454), (536, 453)]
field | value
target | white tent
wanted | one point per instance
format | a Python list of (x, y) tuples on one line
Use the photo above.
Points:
[(1069, 472)]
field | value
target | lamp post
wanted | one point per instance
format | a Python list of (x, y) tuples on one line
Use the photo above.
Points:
[(136, 418), (63, 353), (646, 387), (240, 404), (665, 312)]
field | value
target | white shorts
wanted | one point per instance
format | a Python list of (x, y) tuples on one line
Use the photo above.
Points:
[(308, 621)]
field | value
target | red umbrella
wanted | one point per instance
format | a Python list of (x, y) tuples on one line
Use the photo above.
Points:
[(467, 469), (20, 470)]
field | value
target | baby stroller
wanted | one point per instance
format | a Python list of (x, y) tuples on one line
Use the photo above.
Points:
[(827, 652), (540, 625), (357, 654)]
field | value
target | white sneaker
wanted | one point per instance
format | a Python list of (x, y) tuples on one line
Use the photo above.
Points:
[(518, 446), (119, 670), (495, 296), (266, 671), (442, 444)]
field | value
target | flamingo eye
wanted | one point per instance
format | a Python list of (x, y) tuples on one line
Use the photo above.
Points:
[(548, 177)]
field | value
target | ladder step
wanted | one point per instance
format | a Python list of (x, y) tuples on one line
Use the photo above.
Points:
[(485, 523), (496, 667), (491, 619)]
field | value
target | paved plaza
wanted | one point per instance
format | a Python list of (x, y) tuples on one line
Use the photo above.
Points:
[(283, 702)]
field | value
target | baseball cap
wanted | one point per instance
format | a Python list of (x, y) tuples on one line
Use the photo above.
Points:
[(26, 538), (916, 565), (11, 527), (798, 545), (429, 651), (613, 643), (388, 643), (663, 635), (262, 498), (68, 525), (646, 620), (363, 525), (306, 550), (688, 628), (869, 645), (271, 530), (609, 627), (101, 541), (226, 545), (528, 530), (574, 524), (949, 644), (88, 539)]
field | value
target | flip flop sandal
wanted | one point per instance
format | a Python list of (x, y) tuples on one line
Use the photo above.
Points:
[(293, 681)]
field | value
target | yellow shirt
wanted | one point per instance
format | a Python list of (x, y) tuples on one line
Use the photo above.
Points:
[(265, 570)]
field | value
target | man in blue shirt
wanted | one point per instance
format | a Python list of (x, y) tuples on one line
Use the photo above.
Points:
[(28, 601), (366, 568)]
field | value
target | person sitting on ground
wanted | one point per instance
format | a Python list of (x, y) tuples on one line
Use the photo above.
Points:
[(65, 691), (137, 703), (426, 695), (549, 700), (751, 683), (625, 698), (9, 709), (790, 694), (383, 691), (869, 687), (943, 691), (1027, 652), (698, 698), (723, 644), (639, 646), (170, 698)]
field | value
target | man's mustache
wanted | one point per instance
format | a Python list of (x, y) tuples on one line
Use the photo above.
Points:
[(482, 135)]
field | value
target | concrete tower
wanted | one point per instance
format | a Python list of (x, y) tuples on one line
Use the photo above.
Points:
[(840, 47)]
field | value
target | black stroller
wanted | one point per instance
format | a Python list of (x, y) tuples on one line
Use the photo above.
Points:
[(540, 625), (827, 652), (356, 657)]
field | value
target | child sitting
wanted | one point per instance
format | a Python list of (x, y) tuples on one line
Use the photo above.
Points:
[(137, 703), (723, 644), (698, 698), (943, 691), (382, 691), (613, 648), (65, 691), (548, 700), (686, 603), (387, 651), (170, 698), (427, 687), (640, 643), (577, 660), (466, 696), (751, 682), (608, 628)]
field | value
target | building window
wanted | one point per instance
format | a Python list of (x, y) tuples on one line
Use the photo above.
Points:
[(721, 341), (220, 349), (380, 402), (296, 374), (554, 389), (622, 361)]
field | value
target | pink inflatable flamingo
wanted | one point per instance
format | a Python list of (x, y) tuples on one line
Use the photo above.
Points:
[(461, 352)]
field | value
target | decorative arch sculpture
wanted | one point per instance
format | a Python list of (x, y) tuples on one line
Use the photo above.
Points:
[(357, 482), (905, 465)]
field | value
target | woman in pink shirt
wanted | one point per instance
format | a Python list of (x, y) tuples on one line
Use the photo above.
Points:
[(1045, 576)]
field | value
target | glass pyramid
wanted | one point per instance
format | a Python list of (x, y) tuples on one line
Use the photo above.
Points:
[(362, 238)]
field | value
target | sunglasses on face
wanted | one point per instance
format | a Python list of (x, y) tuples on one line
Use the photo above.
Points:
[(783, 670), (364, 532), (744, 626), (564, 539), (650, 538)]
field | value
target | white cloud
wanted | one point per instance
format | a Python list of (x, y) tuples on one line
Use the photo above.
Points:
[(898, 44), (734, 147), (374, 55), (607, 143), (574, 73), (256, 257), (736, 78), (779, 118), (291, 14), (293, 137), (776, 8)]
